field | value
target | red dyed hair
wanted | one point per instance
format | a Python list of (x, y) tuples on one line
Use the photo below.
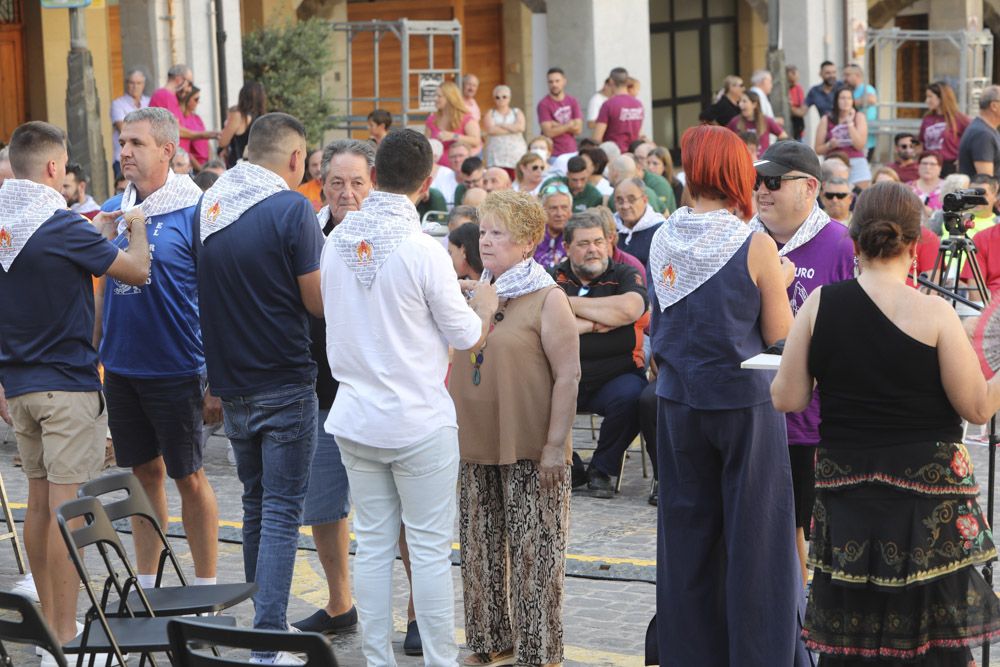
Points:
[(718, 165)]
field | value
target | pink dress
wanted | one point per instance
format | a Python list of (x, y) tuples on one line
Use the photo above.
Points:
[(198, 148), (435, 133)]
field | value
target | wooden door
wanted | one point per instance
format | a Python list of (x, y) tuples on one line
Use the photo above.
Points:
[(12, 111)]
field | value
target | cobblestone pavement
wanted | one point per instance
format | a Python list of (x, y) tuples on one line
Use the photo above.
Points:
[(610, 591)]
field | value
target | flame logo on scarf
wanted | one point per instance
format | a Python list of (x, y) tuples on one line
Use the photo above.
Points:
[(6, 239), (214, 211), (364, 251), (669, 275)]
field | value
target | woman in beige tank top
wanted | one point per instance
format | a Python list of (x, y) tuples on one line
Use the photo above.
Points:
[(516, 398)]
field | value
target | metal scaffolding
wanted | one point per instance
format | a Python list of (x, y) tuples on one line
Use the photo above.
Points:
[(975, 65), (408, 102)]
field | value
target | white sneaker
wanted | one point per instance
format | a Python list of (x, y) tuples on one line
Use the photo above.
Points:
[(100, 659), (26, 587), (282, 658)]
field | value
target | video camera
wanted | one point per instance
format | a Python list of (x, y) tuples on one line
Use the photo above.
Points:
[(958, 202)]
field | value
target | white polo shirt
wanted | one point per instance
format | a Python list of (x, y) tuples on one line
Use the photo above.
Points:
[(388, 343)]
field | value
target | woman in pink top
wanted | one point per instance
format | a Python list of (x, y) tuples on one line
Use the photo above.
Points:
[(845, 130), (196, 148), (928, 186), (943, 125), (452, 121), (752, 120)]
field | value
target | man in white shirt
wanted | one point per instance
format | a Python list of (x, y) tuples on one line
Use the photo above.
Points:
[(135, 82), (762, 83), (597, 100), (393, 306)]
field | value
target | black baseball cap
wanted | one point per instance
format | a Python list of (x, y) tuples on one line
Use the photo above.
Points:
[(785, 156)]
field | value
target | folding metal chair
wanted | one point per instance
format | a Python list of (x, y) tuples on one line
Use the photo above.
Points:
[(107, 630), (11, 532), (31, 629), (165, 600), (183, 633)]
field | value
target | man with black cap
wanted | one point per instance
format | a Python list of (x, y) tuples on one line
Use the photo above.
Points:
[(788, 178)]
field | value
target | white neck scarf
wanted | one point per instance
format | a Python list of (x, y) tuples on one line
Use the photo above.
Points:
[(238, 189), (650, 218), (365, 239), (323, 216), (177, 193), (25, 206), (522, 278), (812, 226), (691, 248)]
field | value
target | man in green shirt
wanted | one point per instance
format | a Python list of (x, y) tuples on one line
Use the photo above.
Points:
[(584, 194), (623, 168)]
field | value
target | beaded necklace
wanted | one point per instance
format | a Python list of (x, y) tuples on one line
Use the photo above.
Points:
[(477, 357)]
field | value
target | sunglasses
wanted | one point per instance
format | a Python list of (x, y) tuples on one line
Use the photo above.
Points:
[(555, 187), (835, 195), (537, 167), (500, 97), (773, 183)]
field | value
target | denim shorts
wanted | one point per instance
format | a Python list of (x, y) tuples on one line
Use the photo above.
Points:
[(156, 417), (328, 498)]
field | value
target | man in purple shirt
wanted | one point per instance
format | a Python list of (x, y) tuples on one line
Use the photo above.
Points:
[(558, 205), (788, 178), (620, 118), (559, 114)]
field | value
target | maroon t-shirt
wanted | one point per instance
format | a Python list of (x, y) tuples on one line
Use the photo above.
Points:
[(561, 111), (623, 114)]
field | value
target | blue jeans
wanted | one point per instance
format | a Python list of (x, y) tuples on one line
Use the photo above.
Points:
[(274, 436), (328, 499)]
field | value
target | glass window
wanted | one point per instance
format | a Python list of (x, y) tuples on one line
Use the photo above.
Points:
[(663, 125), (660, 56), (688, 51), (722, 38), (721, 8), (685, 10), (659, 11)]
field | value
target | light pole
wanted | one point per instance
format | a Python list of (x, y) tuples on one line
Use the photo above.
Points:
[(83, 115)]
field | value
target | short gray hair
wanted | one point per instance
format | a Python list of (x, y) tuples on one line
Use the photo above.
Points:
[(180, 152), (759, 75), (989, 95), (463, 211), (178, 70), (135, 70), (363, 149), (636, 181), (582, 220), (5, 154), (836, 180), (162, 124)]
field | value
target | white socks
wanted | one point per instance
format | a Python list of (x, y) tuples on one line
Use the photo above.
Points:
[(204, 581), (146, 580)]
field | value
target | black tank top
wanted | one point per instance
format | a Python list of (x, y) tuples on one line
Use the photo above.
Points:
[(237, 145), (877, 385)]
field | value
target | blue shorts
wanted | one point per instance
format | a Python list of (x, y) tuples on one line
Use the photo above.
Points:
[(156, 417), (328, 497)]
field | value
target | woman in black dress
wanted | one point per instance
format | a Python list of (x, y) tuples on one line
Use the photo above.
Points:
[(898, 533)]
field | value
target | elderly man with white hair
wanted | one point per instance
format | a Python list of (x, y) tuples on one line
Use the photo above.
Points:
[(623, 168)]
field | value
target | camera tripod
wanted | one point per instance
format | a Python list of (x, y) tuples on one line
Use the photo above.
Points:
[(953, 252)]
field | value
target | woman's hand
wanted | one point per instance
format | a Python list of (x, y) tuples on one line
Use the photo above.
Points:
[(552, 466), (788, 271), (445, 135)]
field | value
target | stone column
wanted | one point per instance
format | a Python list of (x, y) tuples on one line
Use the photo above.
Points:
[(83, 115)]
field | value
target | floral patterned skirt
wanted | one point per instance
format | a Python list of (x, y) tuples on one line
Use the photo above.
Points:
[(896, 540)]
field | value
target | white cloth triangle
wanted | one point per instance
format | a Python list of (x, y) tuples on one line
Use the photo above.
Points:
[(690, 248), (238, 189), (323, 216), (24, 207), (522, 278), (366, 238), (812, 226), (177, 193)]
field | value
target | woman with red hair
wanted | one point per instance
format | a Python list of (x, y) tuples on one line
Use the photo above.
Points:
[(728, 578)]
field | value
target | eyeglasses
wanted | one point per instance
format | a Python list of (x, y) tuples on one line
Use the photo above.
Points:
[(835, 195), (773, 183), (632, 200), (929, 163)]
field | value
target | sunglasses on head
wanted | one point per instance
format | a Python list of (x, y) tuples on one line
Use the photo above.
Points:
[(835, 195), (773, 183), (555, 187)]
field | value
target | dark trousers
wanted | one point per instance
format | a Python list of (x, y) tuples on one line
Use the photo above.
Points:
[(618, 402), (728, 587), (647, 423)]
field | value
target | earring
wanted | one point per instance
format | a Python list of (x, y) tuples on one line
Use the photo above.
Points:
[(913, 268), (857, 267)]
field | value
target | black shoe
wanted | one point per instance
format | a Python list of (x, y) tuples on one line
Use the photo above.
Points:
[(328, 625), (600, 484), (412, 644), (654, 493)]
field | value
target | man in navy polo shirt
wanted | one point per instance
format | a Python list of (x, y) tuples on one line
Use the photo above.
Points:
[(258, 275), (151, 348), (48, 365)]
